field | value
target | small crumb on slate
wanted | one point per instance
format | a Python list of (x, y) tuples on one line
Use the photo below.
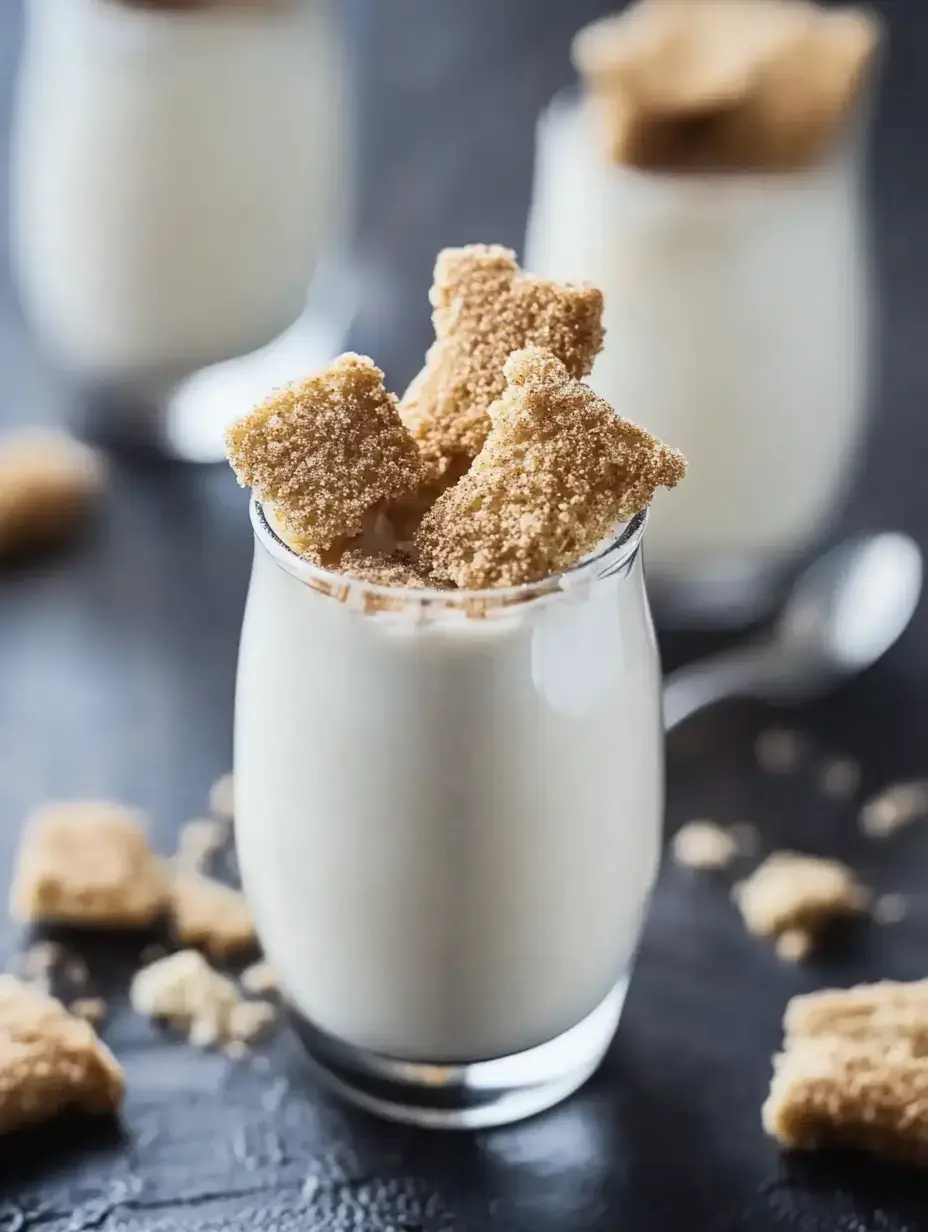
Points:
[(50, 1060), (704, 845), (259, 978), (795, 944), (88, 863), (791, 893), (894, 808), (778, 751), (48, 484), (249, 1019), (840, 779), (222, 798), (854, 1072), (91, 1009), (212, 915), (890, 909)]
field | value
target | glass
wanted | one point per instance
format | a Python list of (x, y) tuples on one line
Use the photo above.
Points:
[(448, 817), (737, 314)]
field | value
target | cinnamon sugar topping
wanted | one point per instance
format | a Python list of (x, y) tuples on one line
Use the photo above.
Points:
[(559, 470), (383, 569), (325, 452), (484, 309)]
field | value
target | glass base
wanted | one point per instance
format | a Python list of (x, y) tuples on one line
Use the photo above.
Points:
[(478, 1095)]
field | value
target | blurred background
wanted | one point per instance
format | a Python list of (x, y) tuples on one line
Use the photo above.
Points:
[(181, 183)]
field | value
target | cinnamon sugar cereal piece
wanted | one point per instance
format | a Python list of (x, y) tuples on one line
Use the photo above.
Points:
[(199, 840), (48, 484), (894, 808), (713, 85), (222, 798), (558, 471), (209, 914), (326, 453), (90, 864), (49, 1060), (185, 991), (260, 977), (704, 845), (792, 893), (383, 569), (854, 1072), (484, 309)]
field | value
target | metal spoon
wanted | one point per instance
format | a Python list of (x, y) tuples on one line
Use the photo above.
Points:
[(843, 614)]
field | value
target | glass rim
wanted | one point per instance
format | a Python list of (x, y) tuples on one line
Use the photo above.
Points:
[(607, 560)]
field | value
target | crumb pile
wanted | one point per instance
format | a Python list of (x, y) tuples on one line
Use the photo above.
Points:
[(326, 452), (558, 471), (704, 845), (88, 863), (854, 1072), (497, 468), (795, 897), (50, 1060), (725, 85), (485, 308), (48, 484)]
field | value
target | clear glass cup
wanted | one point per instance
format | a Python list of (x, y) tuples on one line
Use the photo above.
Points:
[(448, 816), (738, 326)]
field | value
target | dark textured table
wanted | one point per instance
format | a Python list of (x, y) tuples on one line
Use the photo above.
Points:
[(116, 678)]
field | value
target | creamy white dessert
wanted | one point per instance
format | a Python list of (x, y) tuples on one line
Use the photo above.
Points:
[(733, 265)]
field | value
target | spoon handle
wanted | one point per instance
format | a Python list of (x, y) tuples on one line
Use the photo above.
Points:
[(733, 673)]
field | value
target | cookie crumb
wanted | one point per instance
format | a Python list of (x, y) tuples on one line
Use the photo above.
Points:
[(200, 839), (704, 845), (798, 894), (222, 798), (184, 991), (209, 914), (485, 308), (894, 808), (250, 1019), (890, 909), (48, 484), (854, 1072), (778, 751), (325, 453), (840, 779), (794, 945), (259, 978), (90, 864), (91, 1009), (559, 471), (50, 1060)]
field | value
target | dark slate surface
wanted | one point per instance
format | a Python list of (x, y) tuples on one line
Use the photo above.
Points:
[(116, 669)]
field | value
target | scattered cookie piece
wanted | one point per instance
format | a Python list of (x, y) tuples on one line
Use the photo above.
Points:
[(778, 751), (249, 1019), (259, 978), (91, 1009), (326, 453), (222, 798), (185, 991), (48, 484), (704, 845), (840, 779), (558, 472), (798, 894), (50, 1060), (89, 864), (209, 914), (854, 1072), (199, 841), (894, 808), (484, 309)]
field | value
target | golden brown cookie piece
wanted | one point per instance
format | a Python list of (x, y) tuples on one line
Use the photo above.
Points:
[(212, 915), (484, 309), (88, 863), (558, 472), (48, 484), (725, 85), (326, 453), (50, 1061), (854, 1072), (794, 897)]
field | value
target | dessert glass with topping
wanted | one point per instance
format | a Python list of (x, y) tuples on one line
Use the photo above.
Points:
[(449, 749), (708, 176)]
